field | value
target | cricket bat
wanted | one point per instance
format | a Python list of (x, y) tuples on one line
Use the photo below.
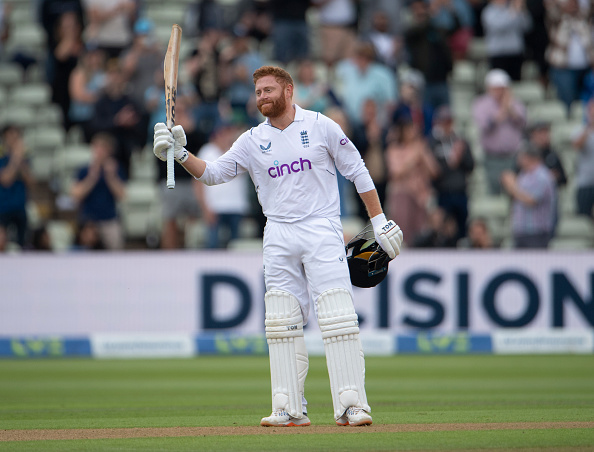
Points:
[(170, 66)]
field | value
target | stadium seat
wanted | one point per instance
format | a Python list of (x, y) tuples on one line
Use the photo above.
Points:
[(570, 244), (61, 235), (11, 74), (548, 110), (49, 114), (66, 163), (18, 115), (137, 209), (166, 14), (574, 226), (33, 94), (528, 92), (489, 206), (47, 137)]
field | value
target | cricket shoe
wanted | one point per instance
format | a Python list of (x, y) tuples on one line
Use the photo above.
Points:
[(280, 418), (355, 417)]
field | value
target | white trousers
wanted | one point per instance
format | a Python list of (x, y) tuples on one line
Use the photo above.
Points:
[(305, 259)]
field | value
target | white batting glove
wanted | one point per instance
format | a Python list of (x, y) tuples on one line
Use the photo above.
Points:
[(179, 135), (388, 235), (162, 140)]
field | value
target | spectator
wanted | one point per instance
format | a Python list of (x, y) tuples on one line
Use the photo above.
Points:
[(570, 53), (141, 60), (501, 120), (69, 48), (87, 238), (456, 18), (411, 105), (85, 85), (337, 26), (118, 115), (15, 178), (369, 137), (50, 12), (411, 169), (203, 68), (533, 193), (388, 45), (41, 240), (223, 206), (242, 60), (3, 239), (479, 235), (539, 135), (583, 142), (110, 24), (290, 31), (441, 231), (99, 187), (203, 16), (311, 93), (179, 204), (362, 78), (456, 163), (505, 23), (537, 39), (429, 52)]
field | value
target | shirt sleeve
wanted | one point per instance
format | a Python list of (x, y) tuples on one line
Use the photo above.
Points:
[(228, 166), (347, 158)]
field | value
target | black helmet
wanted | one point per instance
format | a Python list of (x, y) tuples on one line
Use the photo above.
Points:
[(367, 261)]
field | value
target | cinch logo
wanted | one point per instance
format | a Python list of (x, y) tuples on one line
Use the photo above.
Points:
[(288, 168), (344, 141)]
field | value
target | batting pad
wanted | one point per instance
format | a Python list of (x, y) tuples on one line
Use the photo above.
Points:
[(286, 348), (344, 355)]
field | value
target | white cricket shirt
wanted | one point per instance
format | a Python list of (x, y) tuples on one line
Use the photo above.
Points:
[(294, 170)]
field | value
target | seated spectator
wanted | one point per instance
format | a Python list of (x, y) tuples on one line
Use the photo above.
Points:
[(505, 24), (456, 163), (570, 53), (411, 170), (440, 232), (85, 85), (583, 142), (87, 238), (533, 193), (41, 240), (479, 235), (501, 120), (223, 206), (15, 179), (99, 187)]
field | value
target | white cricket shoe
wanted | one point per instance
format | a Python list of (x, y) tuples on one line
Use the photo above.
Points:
[(354, 416), (280, 418)]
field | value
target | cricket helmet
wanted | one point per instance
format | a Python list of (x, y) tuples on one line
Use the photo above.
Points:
[(367, 261)]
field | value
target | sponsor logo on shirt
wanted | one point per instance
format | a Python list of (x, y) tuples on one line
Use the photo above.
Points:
[(344, 141), (267, 148), (279, 170)]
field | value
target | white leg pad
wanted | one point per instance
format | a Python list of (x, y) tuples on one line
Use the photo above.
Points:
[(344, 355), (288, 355)]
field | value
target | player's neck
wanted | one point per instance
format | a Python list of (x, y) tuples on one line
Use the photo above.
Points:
[(284, 120)]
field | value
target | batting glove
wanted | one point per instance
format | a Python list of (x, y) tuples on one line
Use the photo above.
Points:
[(179, 135), (387, 234), (164, 139)]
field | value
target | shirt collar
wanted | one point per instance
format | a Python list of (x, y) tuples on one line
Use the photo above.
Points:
[(299, 116)]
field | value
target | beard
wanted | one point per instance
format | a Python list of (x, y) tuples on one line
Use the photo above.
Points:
[(273, 108)]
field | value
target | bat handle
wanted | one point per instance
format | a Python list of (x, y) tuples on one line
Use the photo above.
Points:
[(170, 168)]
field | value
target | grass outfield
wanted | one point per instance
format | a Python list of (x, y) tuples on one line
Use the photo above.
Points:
[(419, 403)]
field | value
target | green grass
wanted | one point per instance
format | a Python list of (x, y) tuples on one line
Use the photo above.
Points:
[(231, 391)]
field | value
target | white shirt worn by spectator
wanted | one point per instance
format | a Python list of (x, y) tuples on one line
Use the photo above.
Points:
[(231, 197), (294, 170)]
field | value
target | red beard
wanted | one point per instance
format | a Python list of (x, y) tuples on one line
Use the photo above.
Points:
[(274, 109)]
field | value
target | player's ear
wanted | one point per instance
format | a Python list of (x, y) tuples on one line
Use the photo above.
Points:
[(289, 91)]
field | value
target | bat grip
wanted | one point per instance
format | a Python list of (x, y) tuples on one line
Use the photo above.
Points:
[(170, 168)]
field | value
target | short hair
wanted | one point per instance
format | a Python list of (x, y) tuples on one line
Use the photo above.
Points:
[(281, 76)]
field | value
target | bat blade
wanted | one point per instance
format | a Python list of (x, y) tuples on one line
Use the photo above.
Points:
[(170, 68)]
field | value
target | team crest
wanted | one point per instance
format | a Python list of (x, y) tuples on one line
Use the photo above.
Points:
[(267, 148), (304, 139)]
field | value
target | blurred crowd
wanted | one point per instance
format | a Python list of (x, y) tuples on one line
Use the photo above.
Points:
[(380, 68)]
